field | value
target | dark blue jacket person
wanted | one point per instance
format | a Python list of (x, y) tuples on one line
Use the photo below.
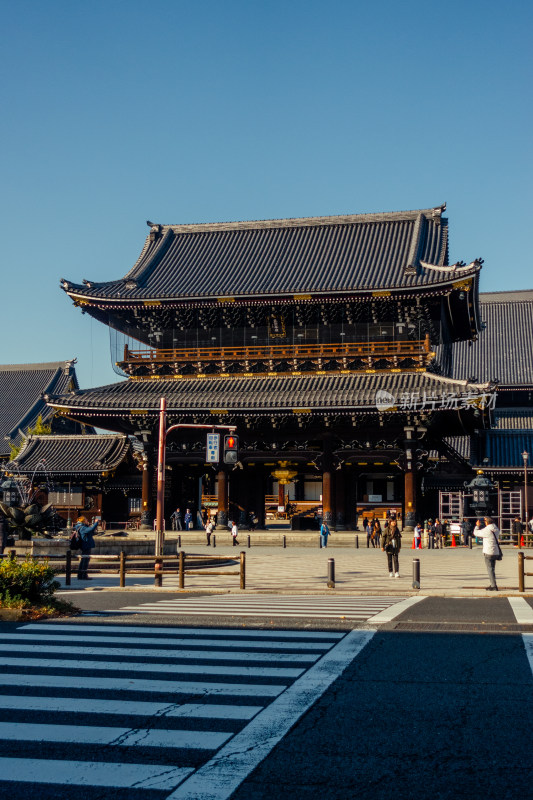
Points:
[(85, 532)]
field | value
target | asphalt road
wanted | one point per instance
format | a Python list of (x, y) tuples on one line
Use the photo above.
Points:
[(126, 708), (465, 614)]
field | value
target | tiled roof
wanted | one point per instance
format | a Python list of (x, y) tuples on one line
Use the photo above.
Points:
[(82, 455), (503, 449), (354, 253), (504, 350), (21, 387), (255, 395)]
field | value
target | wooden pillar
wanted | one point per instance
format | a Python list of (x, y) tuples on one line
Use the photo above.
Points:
[(409, 500), (341, 517), (327, 483), (222, 510), (259, 494)]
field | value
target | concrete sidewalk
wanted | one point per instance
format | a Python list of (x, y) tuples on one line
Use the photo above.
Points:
[(453, 572)]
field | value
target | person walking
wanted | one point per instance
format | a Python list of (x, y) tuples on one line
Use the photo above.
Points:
[(418, 536), (188, 519), (391, 544), (438, 535), (85, 533), (466, 531), (491, 549), (177, 520), (324, 533), (368, 530), (209, 531), (431, 535), (376, 531), (234, 532)]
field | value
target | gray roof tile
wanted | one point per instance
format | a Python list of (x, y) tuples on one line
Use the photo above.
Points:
[(21, 387), (504, 350), (360, 252), (84, 455)]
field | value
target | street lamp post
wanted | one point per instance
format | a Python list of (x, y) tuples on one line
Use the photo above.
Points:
[(525, 456)]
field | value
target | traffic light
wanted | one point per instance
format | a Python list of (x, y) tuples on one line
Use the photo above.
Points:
[(231, 449)]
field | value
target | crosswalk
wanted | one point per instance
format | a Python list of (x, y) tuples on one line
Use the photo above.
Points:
[(296, 607), (153, 711)]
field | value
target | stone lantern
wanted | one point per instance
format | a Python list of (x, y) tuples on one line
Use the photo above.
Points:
[(480, 489)]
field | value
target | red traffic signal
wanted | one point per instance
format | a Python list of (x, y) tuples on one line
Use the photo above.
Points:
[(231, 446)]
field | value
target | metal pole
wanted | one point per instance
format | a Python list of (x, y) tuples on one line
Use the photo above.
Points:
[(521, 581), (357, 542), (181, 569), (68, 567), (249, 541), (242, 571), (416, 573), (160, 519), (319, 542), (122, 569), (179, 540), (214, 540), (331, 573), (284, 541)]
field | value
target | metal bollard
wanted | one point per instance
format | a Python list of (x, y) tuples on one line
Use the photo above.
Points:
[(179, 541), (284, 541), (319, 542), (356, 542), (331, 573), (521, 576), (68, 567), (181, 569), (470, 542), (214, 540), (249, 542), (416, 573), (158, 573)]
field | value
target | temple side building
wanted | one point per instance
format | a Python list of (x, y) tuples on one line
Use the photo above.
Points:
[(22, 389)]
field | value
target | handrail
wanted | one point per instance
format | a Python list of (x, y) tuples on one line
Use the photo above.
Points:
[(406, 347)]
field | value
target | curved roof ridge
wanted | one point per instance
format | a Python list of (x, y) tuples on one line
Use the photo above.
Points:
[(285, 222), (507, 295), (47, 365)]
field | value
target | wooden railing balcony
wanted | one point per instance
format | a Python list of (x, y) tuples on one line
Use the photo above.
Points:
[(399, 349)]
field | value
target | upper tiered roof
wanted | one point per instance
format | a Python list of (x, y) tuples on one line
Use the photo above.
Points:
[(340, 255)]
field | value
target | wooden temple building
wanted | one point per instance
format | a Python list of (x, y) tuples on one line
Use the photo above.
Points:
[(328, 341)]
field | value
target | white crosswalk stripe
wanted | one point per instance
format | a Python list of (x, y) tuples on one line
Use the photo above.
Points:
[(298, 607), (123, 719)]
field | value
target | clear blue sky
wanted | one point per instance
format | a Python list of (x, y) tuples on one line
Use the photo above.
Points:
[(120, 111)]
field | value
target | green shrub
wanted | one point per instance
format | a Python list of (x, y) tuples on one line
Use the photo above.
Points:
[(26, 581)]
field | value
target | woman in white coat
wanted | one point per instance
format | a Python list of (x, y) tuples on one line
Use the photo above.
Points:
[(491, 549)]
